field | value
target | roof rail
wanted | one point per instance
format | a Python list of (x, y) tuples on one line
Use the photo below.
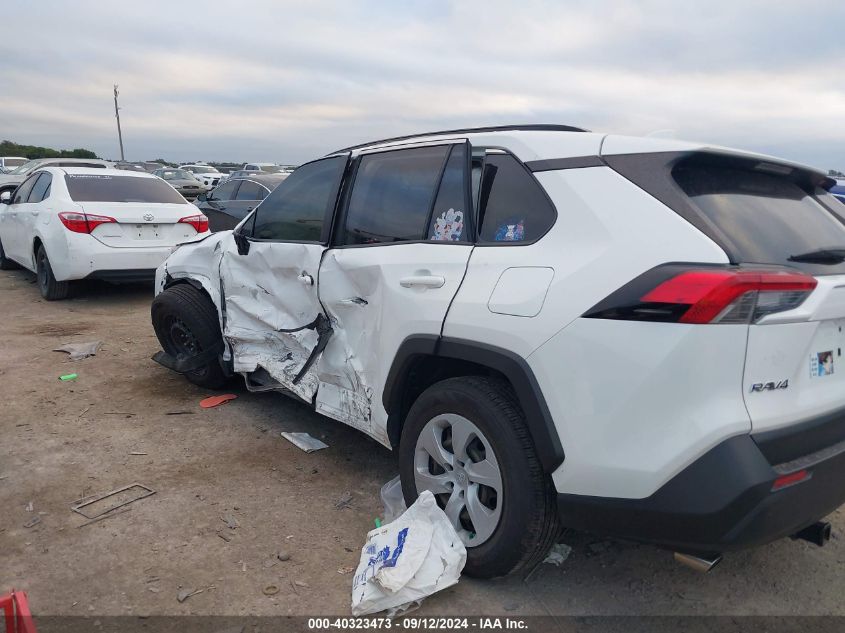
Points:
[(541, 127)]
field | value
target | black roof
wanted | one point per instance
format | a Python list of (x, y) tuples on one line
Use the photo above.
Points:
[(541, 127)]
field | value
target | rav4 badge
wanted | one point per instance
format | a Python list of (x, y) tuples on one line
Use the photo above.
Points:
[(769, 386)]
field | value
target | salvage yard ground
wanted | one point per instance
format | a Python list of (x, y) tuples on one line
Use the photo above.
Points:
[(231, 494)]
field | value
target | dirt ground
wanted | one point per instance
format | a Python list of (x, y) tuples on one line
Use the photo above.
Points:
[(61, 441)]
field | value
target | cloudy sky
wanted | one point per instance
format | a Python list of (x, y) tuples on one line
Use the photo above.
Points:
[(287, 81)]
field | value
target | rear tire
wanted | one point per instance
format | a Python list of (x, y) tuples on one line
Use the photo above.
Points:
[(51, 289), (5, 262), (500, 450), (185, 322)]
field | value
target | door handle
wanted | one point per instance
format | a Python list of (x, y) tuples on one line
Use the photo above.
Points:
[(422, 281), (305, 278)]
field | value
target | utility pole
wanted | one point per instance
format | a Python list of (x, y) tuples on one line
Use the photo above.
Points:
[(117, 115)]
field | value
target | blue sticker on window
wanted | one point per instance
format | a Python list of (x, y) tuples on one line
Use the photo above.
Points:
[(511, 232)]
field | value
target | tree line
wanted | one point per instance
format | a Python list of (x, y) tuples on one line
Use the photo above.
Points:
[(10, 148)]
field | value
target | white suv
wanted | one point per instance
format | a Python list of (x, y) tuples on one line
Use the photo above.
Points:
[(635, 337)]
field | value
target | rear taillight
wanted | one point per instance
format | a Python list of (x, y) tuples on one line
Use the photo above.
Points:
[(199, 222), (83, 222), (706, 295)]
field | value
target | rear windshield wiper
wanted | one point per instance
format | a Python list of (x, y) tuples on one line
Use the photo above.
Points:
[(820, 256)]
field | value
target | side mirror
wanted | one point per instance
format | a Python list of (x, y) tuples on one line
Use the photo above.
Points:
[(6, 197), (202, 197), (242, 243)]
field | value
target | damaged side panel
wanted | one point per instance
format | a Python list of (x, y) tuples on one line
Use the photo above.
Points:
[(272, 313)]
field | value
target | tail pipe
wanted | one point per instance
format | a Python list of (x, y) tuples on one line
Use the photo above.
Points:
[(699, 562), (817, 533)]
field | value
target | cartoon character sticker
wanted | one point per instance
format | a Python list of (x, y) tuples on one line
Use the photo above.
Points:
[(449, 226), (511, 232), (821, 364)]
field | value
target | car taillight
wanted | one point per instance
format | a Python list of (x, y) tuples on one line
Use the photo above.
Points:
[(199, 222), (681, 294), (83, 222)]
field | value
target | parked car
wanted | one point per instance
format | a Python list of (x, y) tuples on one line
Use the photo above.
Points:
[(127, 166), (86, 223), (267, 168), (8, 163), (633, 337), (244, 173), (183, 181), (206, 174), (151, 166), (838, 191), (9, 181), (230, 203)]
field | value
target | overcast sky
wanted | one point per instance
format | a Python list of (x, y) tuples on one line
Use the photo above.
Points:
[(286, 82)]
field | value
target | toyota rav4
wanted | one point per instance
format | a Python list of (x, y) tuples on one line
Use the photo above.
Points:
[(635, 337)]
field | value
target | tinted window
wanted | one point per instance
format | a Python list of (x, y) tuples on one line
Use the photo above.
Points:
[(106, 188), (449, 217), (297, 208), (251, 191), (41, 189), (766, 217), (22, 192), (513, 207), (392, 195), (225, 191)]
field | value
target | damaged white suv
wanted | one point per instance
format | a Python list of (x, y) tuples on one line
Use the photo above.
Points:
[(635, 337)]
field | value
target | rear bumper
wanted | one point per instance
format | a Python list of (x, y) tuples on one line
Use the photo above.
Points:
[(88, 258), (723, 501)]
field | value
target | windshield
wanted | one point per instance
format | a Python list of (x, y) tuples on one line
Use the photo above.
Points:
[(271, 169), (175, 174), (95, 188), (14, 162), (26, 167)]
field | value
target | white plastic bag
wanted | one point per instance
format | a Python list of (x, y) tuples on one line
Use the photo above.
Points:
[(393, 500), (413, 557)]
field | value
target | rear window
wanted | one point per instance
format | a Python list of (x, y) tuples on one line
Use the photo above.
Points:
[(14, 162), (767, 218), (106, 188)]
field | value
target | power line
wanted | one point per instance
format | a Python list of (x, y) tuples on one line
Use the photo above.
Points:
[(117, 115)]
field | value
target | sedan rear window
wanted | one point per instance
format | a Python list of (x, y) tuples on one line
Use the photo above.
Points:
[(768, 218), (106, 188)]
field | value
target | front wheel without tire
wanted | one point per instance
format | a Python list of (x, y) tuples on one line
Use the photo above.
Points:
[(185, 322), (51, 289), (465, 440)]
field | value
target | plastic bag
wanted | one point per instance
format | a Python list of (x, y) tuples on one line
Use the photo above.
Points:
[(414, 556), (393, 500)]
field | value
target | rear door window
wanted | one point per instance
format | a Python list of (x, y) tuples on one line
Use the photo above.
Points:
[(392, 195), (107, 188), (768, 218), (251, 191), (451, 217), (41, 189), (512, 206)]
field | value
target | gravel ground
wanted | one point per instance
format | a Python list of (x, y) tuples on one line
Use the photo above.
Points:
[(62, 441)]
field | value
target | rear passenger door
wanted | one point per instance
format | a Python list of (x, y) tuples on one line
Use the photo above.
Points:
[(399, 254), (11, 231), (36, 208)]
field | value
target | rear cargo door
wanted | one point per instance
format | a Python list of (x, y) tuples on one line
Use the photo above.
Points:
[(774, 218)]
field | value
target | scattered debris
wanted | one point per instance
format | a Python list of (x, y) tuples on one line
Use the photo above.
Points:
[(32, 522), (230, 521), (67, 377), (153, 589), (137, 453), (216, 401), (345, 570), (304, 441), (180, 413), (377, 522), (270, 590), (124, 498), (300, 583), (184, 594), (224, 536), (392, 499), (271, 562), (29, 507), (283, 556), (78, 351), (413, 557), (344, 501), (558, 554)]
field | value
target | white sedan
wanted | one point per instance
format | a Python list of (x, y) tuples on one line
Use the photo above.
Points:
[(84, 223)]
